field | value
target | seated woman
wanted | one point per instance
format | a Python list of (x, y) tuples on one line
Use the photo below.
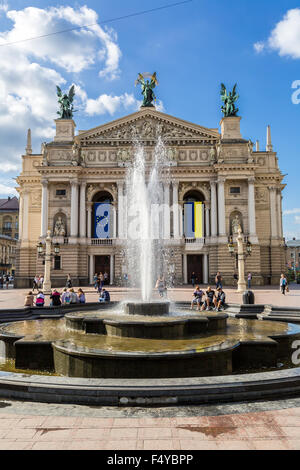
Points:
[(55, 299), (73, 296), (209, 301), (40, 299), (197, 300), (81, 296), (219, 300), (29, 300), (104, 296)]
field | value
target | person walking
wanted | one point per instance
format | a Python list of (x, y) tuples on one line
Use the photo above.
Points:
[(69, 282), (218, 280), (95, 279), (193, 279), (249, 278), (283, 283)]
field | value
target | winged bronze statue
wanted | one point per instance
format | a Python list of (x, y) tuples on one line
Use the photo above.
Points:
[(147, 88), (229, 100), (66, 103)]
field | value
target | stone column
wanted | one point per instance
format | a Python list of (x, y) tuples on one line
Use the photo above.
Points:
[(44, 210), (251, 207), (92, 268), (213, 212), (175, 211), (25, 231), (112, 268), (166, 211), (21, 216), (205, 268), (120, 209), (273, 211), (221, 207), (74, 209), (89, 220), (114, 210), (185, 274), (124, 215), (279, 213), (180, 220), (82, 210), (47, 271), (207, 225)]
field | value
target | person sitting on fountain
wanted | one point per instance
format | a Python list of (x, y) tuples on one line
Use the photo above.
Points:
[(104, 296), (161, 286), (197, 300), (209, 301), (219, 300)]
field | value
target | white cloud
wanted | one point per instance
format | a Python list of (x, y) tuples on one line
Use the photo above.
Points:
[(72, 51), (292, 211), (285, 37), (259, 46), (6, 190), (109, 104), (297, 219)]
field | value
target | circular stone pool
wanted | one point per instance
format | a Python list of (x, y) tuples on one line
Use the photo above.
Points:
[(114, 344)]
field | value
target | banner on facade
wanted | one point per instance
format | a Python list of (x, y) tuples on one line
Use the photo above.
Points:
[(102, 218), (193, 219)]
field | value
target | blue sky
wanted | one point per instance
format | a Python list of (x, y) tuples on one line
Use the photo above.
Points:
[(193, 47)]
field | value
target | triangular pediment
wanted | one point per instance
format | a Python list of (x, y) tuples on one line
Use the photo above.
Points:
[(147, 124)]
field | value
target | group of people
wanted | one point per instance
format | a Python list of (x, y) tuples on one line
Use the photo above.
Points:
[(5, 279), (68, 296), (38, 282), (208, 300), (100, 280)]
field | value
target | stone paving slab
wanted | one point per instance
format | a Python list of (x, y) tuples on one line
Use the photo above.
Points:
[(266, 430)]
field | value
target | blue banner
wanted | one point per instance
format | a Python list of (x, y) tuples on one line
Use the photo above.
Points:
[(102, 217), (193, 219)]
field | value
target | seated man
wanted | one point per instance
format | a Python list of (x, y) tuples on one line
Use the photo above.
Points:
[(219, 300), (104, 297), (209, 301), (198, 293)]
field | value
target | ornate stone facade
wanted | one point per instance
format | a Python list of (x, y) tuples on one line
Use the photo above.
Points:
[(221, 169)]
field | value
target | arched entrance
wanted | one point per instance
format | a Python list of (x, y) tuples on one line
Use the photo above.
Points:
[(102, 215), (193, 214)]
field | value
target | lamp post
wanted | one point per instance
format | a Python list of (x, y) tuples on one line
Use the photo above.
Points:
[(47, 255), (241, 257)]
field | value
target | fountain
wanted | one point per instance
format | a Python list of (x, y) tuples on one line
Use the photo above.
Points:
[(144, 337)]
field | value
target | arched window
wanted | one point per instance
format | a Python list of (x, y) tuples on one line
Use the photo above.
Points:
[(7, 225), (193, 214), (102, 218)]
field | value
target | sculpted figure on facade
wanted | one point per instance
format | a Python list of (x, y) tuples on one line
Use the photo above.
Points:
[(236, 224), (59, 227), (45, 154)]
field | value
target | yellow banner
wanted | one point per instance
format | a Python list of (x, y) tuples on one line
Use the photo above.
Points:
[(198, 207)]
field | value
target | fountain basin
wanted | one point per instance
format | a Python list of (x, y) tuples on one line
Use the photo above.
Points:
[(147, 308)]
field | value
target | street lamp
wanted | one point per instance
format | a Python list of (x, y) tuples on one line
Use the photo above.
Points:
[(47, 255), (241, 257)]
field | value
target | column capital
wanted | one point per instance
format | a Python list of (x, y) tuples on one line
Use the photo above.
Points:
[(44, 182), (251, 179), (73, 182), (221, 179)]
